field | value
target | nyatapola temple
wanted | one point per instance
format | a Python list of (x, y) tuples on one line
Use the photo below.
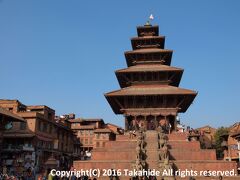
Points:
[(150, 99)]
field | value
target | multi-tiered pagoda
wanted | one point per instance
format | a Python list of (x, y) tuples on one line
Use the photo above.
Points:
[(151, 99), (150, 95)]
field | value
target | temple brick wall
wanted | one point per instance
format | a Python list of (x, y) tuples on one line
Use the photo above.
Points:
[(187, 145), (121, 144), (198, 154), (121, 154)]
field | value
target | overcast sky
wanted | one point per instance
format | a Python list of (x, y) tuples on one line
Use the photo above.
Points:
[(63, 54)]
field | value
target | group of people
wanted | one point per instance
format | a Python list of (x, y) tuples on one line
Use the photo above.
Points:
[(20, 173)]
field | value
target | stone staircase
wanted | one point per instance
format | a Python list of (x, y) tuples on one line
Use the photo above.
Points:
[(184, 154), (152, 149), (121, 154)]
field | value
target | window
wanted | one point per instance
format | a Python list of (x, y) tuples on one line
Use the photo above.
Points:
[(39, 143), (50, 116), (39, 125), (50, 145), (44, 127), (103, 136), (54, 130), (97, 136), (91, 141), (103, 144), (86, 141), (50, 129), (97, 144), (23, 125), (62, 135)]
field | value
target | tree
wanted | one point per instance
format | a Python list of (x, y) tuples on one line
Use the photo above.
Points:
[(220, 135)]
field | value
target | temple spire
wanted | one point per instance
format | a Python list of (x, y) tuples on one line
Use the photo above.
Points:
[(148, 23)]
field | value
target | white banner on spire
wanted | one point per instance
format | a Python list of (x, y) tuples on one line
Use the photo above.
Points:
[(151, 17)]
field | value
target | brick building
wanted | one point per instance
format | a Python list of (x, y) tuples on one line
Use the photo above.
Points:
[(30, 144), (37, 136), (116, 129), (236, 136), (231, 143), (101, 136), (6, 122), (93, 133), (84, 129)]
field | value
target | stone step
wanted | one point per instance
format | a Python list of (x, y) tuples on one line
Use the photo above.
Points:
[(151, 141), (152, 156), (151, 133), (152, 166), (152, 149), (153, 146)]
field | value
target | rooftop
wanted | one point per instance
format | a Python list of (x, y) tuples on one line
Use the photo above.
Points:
[(39, 107), (18, 133), (11, 115), (148, 37), (85, 127), (143, 30), (151, 90), (148, 50), (105, 130), (83, 119), (149, 67)]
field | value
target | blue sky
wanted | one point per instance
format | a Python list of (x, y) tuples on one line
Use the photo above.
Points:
[(64, 53)]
